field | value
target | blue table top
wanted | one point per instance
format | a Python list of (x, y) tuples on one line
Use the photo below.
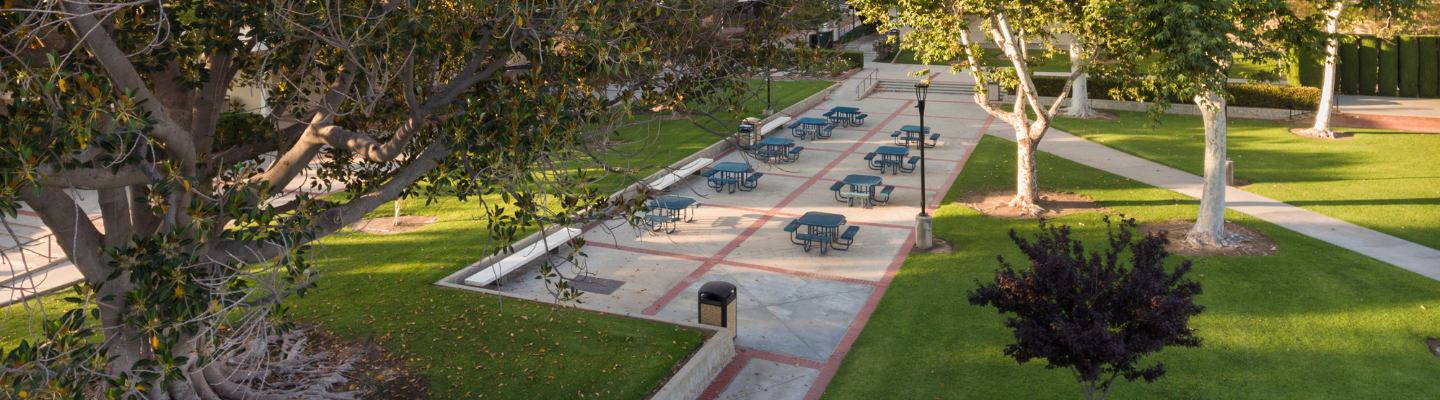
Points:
[(892, 151), (776, 141), (672, 202), (824, 220), (845, 109), (731, 167), (813, 121), (862, 180), (913, 129)]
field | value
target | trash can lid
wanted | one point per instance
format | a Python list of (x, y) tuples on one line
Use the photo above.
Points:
[(723, 291)]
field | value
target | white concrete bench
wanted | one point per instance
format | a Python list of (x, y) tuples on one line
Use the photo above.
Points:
[(773, 125), (678, 175), (521, 257)]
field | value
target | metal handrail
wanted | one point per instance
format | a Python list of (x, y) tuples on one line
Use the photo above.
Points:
[(866, 83)]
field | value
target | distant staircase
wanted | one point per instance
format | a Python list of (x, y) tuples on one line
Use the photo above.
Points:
[(950, 88)]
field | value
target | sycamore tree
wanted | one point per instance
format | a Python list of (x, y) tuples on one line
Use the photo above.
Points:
[(1334, 13), (507, 103), (941, 30), (1193, 44)]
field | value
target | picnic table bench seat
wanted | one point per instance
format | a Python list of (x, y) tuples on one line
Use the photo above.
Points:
[(521, 257), (847, 238), (884, 195), (860, 119)]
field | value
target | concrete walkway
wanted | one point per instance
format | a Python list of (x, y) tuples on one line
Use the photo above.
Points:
[(1398, 252)]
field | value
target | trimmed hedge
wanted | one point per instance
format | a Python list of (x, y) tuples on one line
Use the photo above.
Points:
[(1389, 68), (233, 129), (1409, 66), (1429, 80), (856, 59), (1304, 67), (1369, 65), (1242, 94), (1350, 65)]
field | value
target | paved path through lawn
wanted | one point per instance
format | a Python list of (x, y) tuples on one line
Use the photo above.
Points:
[(1401, 253)]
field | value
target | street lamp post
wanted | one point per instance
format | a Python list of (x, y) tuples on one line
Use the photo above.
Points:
[(923, 235)]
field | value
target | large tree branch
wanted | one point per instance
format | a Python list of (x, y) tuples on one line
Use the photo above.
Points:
[(333, 219), (71, 227), (93, 178)]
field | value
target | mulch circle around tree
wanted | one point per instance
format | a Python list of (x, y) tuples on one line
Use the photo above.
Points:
[(388, 225), (1054, 203), (377, 374), (1252, 241), (1100, 115), (1305, 133), (941, 246)]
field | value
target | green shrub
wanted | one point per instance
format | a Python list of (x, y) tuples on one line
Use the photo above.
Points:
[(854, 58), (1350, 65), (1409, 66), (1369, 65), (235, 128), (1429, 79), (1389, 68), (1243, 94), (1304, 66), (1273, 96)]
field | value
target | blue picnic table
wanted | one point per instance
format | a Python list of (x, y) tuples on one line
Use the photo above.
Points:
[(911, 133), (732, 175), (823, 230), (666, 210), (861, 187), (807, 126), (776, 150), (892, 158), (848, 116)]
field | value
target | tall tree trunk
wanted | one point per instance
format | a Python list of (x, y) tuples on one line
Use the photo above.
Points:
[(1080, 95), (1209, 230), (1327, 88), (1027, 185)]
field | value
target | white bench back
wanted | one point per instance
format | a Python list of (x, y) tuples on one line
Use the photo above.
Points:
[(521, 257), (773, 125), (678, 175)]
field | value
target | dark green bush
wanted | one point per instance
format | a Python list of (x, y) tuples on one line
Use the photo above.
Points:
[(236, 128), (1273, 96), (1429, 80), (1243, 95), (1304, 66), (855, 58), (1409, 66), (1369, 65), (1389, 68), (1349, 65)]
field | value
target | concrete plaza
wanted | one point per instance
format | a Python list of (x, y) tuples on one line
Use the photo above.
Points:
[(799, 312)]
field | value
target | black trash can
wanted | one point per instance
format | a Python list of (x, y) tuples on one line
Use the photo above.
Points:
[(717, 306), (822, 39)]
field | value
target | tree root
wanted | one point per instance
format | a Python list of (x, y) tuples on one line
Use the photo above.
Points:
[(276, 368), (1027, 206), (1086, 112), (1213, 240)]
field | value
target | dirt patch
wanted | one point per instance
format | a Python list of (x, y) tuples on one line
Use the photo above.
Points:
[(1305, 133), (1252, 241), (1099, 115), (941, 246), (388, 225), (1054, 203), (378, 375)]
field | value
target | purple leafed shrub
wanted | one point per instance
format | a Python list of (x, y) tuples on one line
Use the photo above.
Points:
[(1095, 313)]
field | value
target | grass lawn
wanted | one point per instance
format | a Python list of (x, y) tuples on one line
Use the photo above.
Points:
[(1383, 180), (1313, 321)]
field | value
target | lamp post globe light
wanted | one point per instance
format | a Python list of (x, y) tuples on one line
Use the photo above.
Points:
[(923, 237)]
